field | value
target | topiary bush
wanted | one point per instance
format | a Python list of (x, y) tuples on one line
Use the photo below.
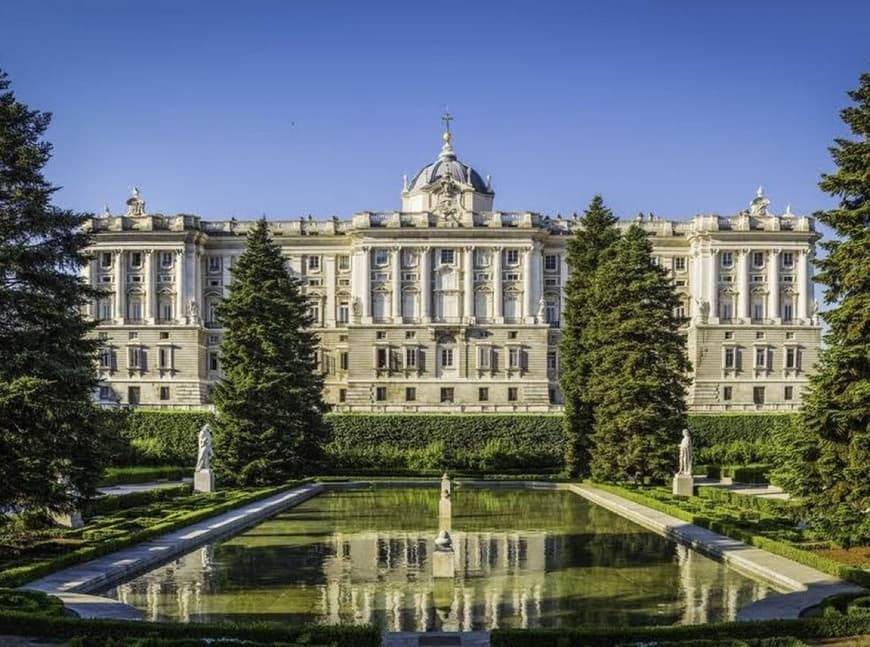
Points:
[(34, 602)]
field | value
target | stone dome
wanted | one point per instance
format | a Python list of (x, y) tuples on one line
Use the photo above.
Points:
[(448, 166)]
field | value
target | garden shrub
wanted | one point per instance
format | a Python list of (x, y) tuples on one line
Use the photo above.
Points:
[(163, 436), (143, 474), (35, 602)]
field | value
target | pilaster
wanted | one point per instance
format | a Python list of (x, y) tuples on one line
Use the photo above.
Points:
[(150, 287), (425, 284), (743, 313), (497, 287), (468, 288), (396, 283), (120, 285), (773, 286), (329, 314)]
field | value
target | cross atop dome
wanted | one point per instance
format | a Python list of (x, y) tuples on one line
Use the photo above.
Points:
[(447, 149)]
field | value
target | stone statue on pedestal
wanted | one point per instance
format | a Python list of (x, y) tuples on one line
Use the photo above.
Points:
[(203, 477), (684, 482)]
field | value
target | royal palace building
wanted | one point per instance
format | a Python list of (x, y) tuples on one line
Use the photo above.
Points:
[(448, 304)]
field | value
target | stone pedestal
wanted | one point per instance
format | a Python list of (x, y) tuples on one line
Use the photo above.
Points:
[(684, 485), (443, 562), (203, 481), (68, 519), (445, 514)]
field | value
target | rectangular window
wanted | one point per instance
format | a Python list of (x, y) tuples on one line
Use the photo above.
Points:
[(380, 257), (791, 357), (446, 358), (105, 309), (134, 357), (166, 259), (313, 263), (512, 257), (410, 334), (513, 358), (410, 358), (680, 263), (136, 259), (757, 310), (343, 263), (729, 335), (343, 312), (727, 393), (788, 260), (213, 361), (342, 360), (483, 394), (410, 394), (758, 395), (133, 395), (314, 311), (484, 355), (342, 395), (727, 259), (788, 393), (381, 394), (164, 392), (214, 264), (551, 360), (164, 358), (448, 256), (513, 393), (106, 261), (106, 359), (105, 393), (760, 357), (447, 394), (726, 311), (757, 259), (787, 312), (551, 262), (730, 358), (383, 358)]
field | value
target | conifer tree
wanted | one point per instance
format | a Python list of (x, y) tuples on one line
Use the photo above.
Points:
[(587, 249), (52, 440), (639, 365), (269, 424), (837, 405)]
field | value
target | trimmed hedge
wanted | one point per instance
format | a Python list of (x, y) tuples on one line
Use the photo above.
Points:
[(262, 632), (784, 549), (767, 633), (163, 435), (143, 474), (722, 428), (113, 539), (107, 504)]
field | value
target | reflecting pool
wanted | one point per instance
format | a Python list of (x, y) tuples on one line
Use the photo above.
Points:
[(524, 558)]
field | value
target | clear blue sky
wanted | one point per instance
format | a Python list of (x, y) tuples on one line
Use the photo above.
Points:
[(288, 108)]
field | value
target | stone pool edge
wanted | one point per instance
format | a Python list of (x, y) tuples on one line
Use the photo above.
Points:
[(74, 584), (807, 586)]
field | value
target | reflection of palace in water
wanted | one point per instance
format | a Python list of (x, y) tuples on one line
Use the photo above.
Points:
[(522, 579)]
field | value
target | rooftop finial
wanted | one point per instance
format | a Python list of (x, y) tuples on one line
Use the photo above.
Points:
[(447, 149), (759, 193)]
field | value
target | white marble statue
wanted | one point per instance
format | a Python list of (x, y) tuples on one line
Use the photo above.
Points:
[(203, 459), (446, 486), (685, 454)]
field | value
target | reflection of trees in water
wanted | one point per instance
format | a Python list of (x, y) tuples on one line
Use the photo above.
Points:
[(583, 566)]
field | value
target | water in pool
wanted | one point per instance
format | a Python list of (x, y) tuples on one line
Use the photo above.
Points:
[(524, 558)]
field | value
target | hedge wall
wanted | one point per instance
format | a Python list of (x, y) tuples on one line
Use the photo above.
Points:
[(724, 428), (482, 442)]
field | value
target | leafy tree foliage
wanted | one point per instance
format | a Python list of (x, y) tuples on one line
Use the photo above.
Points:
[(639, 365), (52, 439), (269, 424), (587, 249), (837, 405)]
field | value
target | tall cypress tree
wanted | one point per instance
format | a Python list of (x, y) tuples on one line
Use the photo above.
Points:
[(269, 423), (51, 436), (639, 365), (588, 248), (837, 405)]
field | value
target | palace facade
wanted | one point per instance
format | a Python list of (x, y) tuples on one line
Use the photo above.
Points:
[(449, 305)]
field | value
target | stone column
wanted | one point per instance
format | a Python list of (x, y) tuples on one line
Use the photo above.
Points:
[(563, 282), (366, 286), (743, 286), (468, 288), (498, 306), (425, 285), (150, 288), (180, 300), (528, 303), (773, 286), (329, 315), (226, 275), (802, 314), (120, 287), (396, 260), (712, 262)]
